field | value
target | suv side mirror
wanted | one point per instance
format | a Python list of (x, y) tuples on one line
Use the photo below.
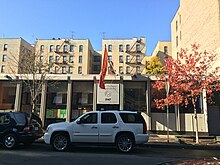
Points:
[(78, 121)]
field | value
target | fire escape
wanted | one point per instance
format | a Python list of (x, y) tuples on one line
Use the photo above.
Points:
[(63, 55), (136, 56)]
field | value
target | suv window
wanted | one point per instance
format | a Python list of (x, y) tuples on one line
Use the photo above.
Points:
[(89, 118), (108, 118), (4, 119), (132, 118), (20, 118)]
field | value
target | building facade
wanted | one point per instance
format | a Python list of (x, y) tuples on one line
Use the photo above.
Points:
[(74, 95), (196, 21), (12, 52), (126, 55), (199, 22), (71, 56), (162, 50)]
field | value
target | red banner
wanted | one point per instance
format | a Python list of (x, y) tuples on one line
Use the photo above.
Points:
[(104, 69)]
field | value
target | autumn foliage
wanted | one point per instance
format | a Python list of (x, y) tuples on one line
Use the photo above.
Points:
[(188, 76)]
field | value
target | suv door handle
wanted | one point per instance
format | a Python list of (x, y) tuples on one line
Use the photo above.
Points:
[(94, 127), (115, 127)]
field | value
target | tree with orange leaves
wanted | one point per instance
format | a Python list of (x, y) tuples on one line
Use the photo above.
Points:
[(189, 77)]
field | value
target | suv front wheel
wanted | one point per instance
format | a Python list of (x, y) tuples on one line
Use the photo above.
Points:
[(10, 141), (60, 142), (125, 143)]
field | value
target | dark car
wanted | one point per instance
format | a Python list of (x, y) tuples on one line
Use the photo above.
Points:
[(19, 127)]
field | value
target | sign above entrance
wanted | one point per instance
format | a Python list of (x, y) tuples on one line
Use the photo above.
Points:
[(109, 95)]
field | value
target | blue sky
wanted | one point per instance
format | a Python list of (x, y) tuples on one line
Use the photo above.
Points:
[(46, 19)]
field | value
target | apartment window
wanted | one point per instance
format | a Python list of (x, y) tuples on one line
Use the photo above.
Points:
[(180, 19), (138, 48), (71, 59), (138, 58), (57, 59), (109, 68), (51, 59), (41, 58), (120, 69), (5, 48), (177, 55), (51, 48), (64, 59), (97, 58), (71, 48), (180, 36), (121, 59), (79, 70), (42, 48), (109, 48), (56, 69), (128, 47), (176, 41), (50, 69), (71, 69), (3, 69), (63, 69), (120, 48), (80, 59), (127, 70), (65, 48), (138, 69), (110, 58), (165, 49), (57, 48), (80, 48), (4, 57), (127, 58), (176, 25)]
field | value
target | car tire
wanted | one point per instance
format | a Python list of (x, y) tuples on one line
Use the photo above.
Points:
[(125, 143), (60, 142), (10, 141)]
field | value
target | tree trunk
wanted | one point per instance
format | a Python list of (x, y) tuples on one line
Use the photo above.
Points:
[(33, 108), (196, 121)]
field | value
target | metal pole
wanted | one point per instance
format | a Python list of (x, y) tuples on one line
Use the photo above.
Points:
[(167, 122), (167, 87)]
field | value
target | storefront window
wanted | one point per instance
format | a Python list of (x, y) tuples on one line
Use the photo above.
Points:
[(135, 96), (82, 98), (26, 101), (56, 102), (7, 95)]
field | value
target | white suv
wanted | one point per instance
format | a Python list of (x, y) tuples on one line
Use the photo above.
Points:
[(122, 128)]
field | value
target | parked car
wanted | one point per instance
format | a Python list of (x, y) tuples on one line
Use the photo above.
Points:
[(19, 127), (125, 129)]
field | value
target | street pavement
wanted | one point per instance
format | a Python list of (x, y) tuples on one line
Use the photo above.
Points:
[(154, 152)]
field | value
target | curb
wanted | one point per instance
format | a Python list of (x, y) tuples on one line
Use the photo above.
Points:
[(183, 146)]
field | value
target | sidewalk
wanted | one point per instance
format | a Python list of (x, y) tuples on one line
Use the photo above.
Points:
[(185, 143)]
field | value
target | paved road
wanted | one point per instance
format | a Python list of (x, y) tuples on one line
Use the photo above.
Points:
[(42, 154)]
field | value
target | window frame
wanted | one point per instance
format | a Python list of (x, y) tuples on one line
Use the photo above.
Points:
[(80, 59), (4, 58), (110, 48)]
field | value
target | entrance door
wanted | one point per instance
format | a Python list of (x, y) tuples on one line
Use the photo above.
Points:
[(104, 107)]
